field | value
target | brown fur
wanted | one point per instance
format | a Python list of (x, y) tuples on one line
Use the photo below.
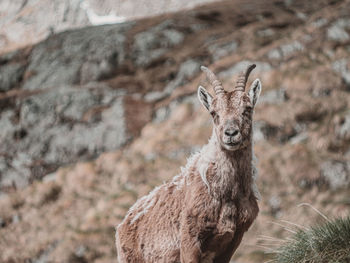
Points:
[(196, 219)]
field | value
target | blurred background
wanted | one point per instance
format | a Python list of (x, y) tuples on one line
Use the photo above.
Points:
[(98, 105)]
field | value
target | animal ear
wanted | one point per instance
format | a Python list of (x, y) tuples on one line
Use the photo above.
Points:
[(204, 97), (254, 91)]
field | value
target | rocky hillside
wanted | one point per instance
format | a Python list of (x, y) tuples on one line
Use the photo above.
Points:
[(93, 118), (24, 22)]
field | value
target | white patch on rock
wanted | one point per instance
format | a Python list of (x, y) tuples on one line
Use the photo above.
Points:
[(266, 32), (319, 22), (285, 50), (343, 131), (337, 31), (291, 48), (97, 20), (341, 67), (274, 54), (336, 173)]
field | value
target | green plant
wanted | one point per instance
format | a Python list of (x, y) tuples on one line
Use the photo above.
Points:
[(329, 242)]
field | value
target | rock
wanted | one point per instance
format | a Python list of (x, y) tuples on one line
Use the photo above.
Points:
[(43, 257), (156, 95), (320, 22), (285, 50), (150, 45), (263, 131), (80, 251), (347, 154), (88, 140), (268, 32), (13, 178), (52, 177), (36, 21), (79, 255), (3, 165), (258, 133), (53, 130), (291, 48), (276, 96), (223, 49), (299, 138), (10, 75), (163, 113), (342, 131), (275, 206), (337, 31), (323, 82), (74, 57), (274, 54), (186, 71), (15, 219), (7, 126), (336, 173), (341, 67), (61, 111), (241, 66), (301, 16), (312, 112)]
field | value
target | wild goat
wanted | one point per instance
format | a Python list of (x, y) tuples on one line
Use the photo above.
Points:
[(202, 214)]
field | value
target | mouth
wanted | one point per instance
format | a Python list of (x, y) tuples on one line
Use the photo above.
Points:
[(232, 145)]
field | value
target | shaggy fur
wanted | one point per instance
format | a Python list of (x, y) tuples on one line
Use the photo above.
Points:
[(202, 214)]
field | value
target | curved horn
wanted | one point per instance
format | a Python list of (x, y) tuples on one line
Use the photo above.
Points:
[(213, 80), (243, 77)]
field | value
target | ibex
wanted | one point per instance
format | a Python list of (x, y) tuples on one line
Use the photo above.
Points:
[(202, 214)]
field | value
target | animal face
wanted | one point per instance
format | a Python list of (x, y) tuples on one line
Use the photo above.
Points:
[(232, 112)]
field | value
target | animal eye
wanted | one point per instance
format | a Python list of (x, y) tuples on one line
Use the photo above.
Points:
[(249, 107), (215, 117), (247, 111)]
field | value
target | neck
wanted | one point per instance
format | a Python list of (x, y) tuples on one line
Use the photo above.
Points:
[(231, 170)]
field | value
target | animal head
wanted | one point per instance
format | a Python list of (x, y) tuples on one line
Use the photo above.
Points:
[(232, 111)]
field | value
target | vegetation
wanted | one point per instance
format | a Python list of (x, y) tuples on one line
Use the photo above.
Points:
[(329, 242)]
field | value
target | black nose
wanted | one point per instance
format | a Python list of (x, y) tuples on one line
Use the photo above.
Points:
[(231, 132)]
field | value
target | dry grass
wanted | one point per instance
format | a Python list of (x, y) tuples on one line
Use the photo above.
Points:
[(329, 242)]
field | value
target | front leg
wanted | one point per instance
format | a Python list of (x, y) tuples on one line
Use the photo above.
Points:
[(194, 233), (196, 237), (231, 248), (197, 227), (190, 248), (190, 254)]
